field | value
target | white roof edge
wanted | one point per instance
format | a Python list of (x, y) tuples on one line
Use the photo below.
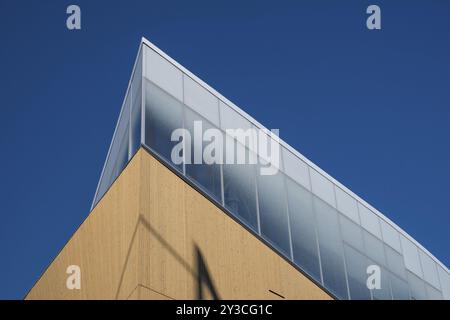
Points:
[(291, 149)]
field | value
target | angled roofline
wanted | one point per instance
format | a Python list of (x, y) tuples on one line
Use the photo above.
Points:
[(288, 147), (117, 124)]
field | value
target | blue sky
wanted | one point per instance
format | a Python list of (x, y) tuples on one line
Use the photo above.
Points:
[(372, 108)]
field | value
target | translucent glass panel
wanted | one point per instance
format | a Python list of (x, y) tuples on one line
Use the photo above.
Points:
[(322, 187), (390, 235), (411, 256), (444, 278), (417, 287), (394, 262), (433, 293), (135, 133), (369, 220), (239, 184), (163, 114), (201, 100), (136, 107), (295, 168), (399, 288), (331, 251), (206, 174), (303, 229), (232, 120), (127, 135), (384, 292), (347, 204), (273, 210), (351, 233), (374, 248), (429, 269), (118, 153), (163, 73), (357, 264), (121, 158)]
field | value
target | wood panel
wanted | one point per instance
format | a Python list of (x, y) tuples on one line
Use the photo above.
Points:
[(181, 228), (153, 236), (102, 247)]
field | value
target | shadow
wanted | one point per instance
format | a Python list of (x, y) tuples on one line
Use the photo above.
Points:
[(200, 273), (203, 276), (127, 258)]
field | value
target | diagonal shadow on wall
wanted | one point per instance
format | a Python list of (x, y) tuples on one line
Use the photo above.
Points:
[(200, 272)]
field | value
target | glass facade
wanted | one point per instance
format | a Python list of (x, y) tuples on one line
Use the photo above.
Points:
[(302, 213)]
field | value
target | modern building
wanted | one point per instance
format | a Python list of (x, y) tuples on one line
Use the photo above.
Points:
[(161, 229)]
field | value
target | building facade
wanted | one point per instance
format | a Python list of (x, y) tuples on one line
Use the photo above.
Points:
[(163, 228)]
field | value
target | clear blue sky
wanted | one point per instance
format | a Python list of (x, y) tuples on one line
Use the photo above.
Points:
[(372, 108)]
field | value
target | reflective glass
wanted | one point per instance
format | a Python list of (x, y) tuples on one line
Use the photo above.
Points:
[(163, 114), (411, 256), (136, 104), (303, 229), (429, 268), (374, 248), (204, 174), (384, 292), (399, 288), (239, 183), (295, 168), (273, 210), (395, 262), (118, 154), (136, 120), (122, 156), (357, 274), (351, 233), (417, 287), (331, 251), (433, 293)]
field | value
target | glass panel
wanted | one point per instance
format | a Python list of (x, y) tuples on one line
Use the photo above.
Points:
[(273, 210), (429, 268), (330, 246), (230, 119), (163, 73), (303, 229), (384, 293), (136, 101), (351, 233), (237, 127), (444, 278), (417, 287), (122, 156), (201, 100), (322, 187), (239, 183), (357, 274), (374, 248), (118, 155), (390, 235), (347, 204), (400, 289), (369, 220), (163, 114), (136, 120), (395, 262), (432, 293), (411, 256), (206, 174), (295, 168)]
